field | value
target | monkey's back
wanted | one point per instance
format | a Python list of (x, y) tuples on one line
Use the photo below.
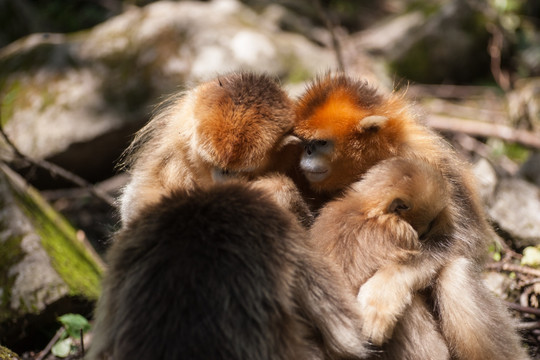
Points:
[(202, 275)]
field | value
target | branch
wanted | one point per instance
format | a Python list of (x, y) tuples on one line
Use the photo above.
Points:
[(478, 128), (471, 144), (495, 49), (513, 268), (330, 27), (51, 343), (57, 170), (523, 309), (446, 91), (528, 325)]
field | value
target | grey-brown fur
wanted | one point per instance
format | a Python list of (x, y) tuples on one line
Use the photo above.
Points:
[(220, 273)]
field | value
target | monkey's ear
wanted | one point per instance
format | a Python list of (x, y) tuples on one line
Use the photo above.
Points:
[(289, 140), (398, 206), (372, 122)]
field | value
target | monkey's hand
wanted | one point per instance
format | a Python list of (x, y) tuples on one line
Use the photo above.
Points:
[(382, 301), (385, 296)]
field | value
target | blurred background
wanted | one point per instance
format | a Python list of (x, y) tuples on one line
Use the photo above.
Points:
[(79, 77)]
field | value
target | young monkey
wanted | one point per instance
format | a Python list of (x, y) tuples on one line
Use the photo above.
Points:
[(223, 272), (348, 128), (236, 125), (385, 221)]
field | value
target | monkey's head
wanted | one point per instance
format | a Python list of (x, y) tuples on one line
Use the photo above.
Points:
[(244, 119), (411, 189), (424, 202), (346, 127)]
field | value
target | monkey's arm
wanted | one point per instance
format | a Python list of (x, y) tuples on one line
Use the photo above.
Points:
[(385, 296), (287, 195)]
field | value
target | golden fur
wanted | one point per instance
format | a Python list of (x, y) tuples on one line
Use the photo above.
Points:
[(380, 219), (380, 250), (235, 125)]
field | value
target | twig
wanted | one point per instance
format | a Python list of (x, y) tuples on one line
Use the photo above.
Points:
[(494, 49), (527, 283), (477, 128), (513, 268), (330, 27), (82, 343), (471, 144), (523, 309), (57, 170), (509, 253), (51, 343), (447, 91), (529, 325)]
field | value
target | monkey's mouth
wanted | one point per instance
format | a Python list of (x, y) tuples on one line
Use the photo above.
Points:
[(316, 175)]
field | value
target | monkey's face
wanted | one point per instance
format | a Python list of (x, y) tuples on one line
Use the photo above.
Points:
[(417, 190), (333, 159), (346, 130), (315, 161)]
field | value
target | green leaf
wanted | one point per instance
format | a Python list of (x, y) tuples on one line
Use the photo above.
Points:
[(495, 251), (74, 323), (62, 348), (531, 256)]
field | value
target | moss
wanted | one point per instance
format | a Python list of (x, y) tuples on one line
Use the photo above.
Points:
[(427, 8), (6, 354), (48, 98), (18, 94), (8, 102), (416, 64), (513, 151), (47, 55), (10, 255), (297, 71), (69, 257)]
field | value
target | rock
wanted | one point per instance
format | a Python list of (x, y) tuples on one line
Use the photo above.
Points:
[(439, 43), (486, 177), (22, 17), (45, 270), (76, 99), (498, 283), (516, 210), (530, 170)]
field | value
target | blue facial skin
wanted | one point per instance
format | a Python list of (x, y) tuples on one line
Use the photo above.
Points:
[(315, 159)]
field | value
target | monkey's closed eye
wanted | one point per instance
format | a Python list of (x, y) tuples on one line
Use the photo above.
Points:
[(220, 174), (398, 206)]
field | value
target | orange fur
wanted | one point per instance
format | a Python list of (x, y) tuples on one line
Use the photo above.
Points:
[(236, 124), (240, 119), (333, 107), (340, 108)]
